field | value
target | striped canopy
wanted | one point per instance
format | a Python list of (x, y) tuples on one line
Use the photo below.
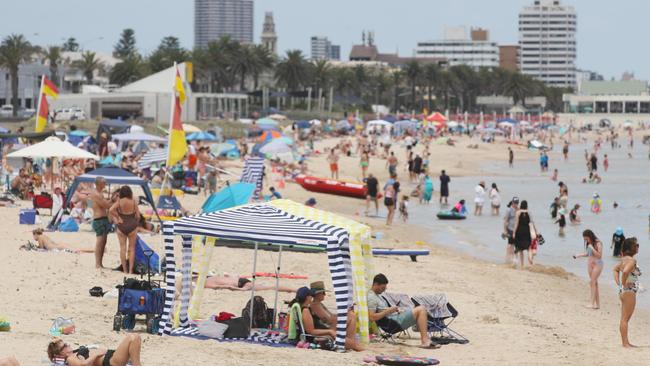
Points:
[(264, 224), (152, 157)]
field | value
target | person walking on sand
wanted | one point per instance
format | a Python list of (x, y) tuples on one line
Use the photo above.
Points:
[(364, 163), (479, 198), (100, 224), (626, 276), (444, 187), (522, 232), (372, 190), (509, 228), (594, 253), (565, 150), (333, 160), (389, 202), (391, 163)]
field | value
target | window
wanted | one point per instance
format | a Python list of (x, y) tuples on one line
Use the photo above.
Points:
[(645, 107), (601, 107), (631, 107), (615, 107)]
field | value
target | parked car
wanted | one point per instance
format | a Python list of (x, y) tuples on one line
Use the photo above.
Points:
[(26, 113), (69, 114), (6, 110)]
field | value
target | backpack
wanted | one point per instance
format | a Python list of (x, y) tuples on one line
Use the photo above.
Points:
[(262, 315)]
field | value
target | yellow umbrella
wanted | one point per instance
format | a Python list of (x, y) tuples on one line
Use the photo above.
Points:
[(190, 128)]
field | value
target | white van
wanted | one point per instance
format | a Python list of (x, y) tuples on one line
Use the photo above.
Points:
[(70, 114), (6, 110)]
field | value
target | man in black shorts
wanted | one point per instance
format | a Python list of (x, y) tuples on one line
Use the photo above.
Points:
[(372, 185)]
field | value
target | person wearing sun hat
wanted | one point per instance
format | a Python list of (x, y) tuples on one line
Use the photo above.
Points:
[(617, 241), (325, 319)]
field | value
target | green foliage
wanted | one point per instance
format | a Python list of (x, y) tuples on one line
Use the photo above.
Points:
[(131, 68), (88, 64), (125, 46), (70, 45), (168, 52), (15, 50)]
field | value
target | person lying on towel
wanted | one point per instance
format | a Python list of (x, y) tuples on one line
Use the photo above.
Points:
[(45, 242), (127, 350), (237, 283), (379, 308)]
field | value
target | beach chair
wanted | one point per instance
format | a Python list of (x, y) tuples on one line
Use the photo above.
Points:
[(441, 315), (298, 334), (389, 329)]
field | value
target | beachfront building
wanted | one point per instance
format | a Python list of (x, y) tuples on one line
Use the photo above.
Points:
[(367, 52), (475, 51), (323, 49), (509, 57), (269, 37), (214, 19), (29, 82), (335, 52), (547, 41)]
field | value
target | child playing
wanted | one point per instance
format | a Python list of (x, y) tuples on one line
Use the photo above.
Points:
[(554, 176), (573, 215), (212, 181), (606, 162), (44, 242), (596, 203), (403, 208), (460, 208)]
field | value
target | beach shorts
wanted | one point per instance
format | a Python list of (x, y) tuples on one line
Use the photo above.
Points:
[(405, 319), (511, 238), (392, 170), (364, 164), (388, 202), (334, 167), (101, 226)]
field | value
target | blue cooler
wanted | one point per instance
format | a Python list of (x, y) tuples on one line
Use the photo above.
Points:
[(27, 217)]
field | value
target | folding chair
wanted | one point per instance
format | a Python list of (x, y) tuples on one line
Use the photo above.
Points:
[(440, 316), (389, 329), (325, 342)]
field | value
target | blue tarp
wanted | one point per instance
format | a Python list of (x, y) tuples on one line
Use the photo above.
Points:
[(230, 196)]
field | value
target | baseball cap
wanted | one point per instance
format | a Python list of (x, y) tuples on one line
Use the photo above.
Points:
[(515, 199), (303, 292)]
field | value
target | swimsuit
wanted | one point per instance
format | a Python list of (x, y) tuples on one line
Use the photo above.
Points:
[(590, 253), (632, 284), (107, 357), (129, 222), (242, 282)]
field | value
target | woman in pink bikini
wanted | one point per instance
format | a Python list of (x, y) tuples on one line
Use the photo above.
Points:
[(125, 215)]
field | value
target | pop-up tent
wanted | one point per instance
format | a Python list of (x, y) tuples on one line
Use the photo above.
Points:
[(113, 175), (112, 126), (229, 196), (258, 223)]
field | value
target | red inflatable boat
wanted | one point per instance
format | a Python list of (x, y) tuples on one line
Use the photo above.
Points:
[(332, 186)]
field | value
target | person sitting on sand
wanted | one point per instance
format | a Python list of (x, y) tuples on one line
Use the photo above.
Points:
[(304, 297), (378, 309), (324, 319), (45, 242), (127, 351), (237, 283)]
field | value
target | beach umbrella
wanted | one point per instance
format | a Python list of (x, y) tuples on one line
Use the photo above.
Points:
[(390, 118), (201, 136), (230, 196), (138, 136), (493, 131), (303, 124), (222, 147), (53, 147), (285, 139), (452, 124), (190, 128), (79, 133), (278, 117), (437, 117), (269, 135), (275, 147)]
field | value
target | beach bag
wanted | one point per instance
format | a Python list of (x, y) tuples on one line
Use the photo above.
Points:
[(260, 316), (540, 239), (212, 329), (237, 328), (69, 225)]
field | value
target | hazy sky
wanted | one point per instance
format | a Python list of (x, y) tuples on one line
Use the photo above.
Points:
[(611, 35)]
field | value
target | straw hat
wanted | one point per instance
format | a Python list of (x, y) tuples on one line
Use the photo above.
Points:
[(318, 287)]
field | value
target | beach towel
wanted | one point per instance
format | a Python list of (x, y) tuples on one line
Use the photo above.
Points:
[(69, 225), (436, 305), (265, 337)]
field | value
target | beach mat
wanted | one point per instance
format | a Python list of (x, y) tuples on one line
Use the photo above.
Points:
[(261, 337)]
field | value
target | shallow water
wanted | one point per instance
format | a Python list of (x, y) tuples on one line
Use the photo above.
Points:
[(627, 182)]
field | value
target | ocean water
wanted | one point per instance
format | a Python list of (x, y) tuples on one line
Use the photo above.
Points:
[(627, 182)]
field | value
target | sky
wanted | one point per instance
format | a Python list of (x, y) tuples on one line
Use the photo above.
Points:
[(611, 39)]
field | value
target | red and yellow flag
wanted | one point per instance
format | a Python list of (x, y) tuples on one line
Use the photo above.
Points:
[(43, 113), (49, 88), (177, 142)]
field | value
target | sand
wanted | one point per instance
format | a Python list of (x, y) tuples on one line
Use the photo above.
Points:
[(511, 316)]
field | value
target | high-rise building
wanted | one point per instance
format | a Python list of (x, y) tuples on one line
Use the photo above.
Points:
[(509, 57), (335, 52), (269, 38), (320, 48), (476, 51), (547, 42), (214, 19)]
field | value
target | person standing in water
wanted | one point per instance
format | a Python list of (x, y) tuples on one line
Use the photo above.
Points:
[(626, 276), (509, 228), (594, 253), (617, 242), (522, 232), (495, 199), (511, 157), (444, 188), (605, 162)]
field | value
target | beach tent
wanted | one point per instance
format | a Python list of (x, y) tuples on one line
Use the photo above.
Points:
[(303, 124), (378, 125), (201, 136), (138, 136), (266, 121), (113, 175), (52, 147), (436, 117), (405, 125), (253, 173), (152, 157), (112, 126), (276, 146), (259, 223), (231, 195), (190, 128), (269, 135)]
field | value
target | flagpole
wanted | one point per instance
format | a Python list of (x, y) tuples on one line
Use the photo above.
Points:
[(38, 106), (169, 132)]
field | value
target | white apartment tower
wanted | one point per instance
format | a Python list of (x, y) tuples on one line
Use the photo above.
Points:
[(214, 19), (547, 42), (321, 48), (476, 51)]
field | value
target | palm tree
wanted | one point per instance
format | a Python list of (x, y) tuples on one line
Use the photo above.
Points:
[(215, 63), (243, 64), (129, 70), (396, 79), (431, 74), (413, 72), (321, 74), (53, 57), (263, 60), (292, 71), (15, 50), (88, 64), (520, 87)]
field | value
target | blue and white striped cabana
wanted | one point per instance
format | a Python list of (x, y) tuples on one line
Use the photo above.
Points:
[(259, 223)]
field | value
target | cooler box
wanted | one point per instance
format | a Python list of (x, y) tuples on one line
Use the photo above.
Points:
[(27, 217)]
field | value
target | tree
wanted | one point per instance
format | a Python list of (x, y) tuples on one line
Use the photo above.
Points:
[(169, 51), (71, 45), (243, 64), (412, 71), (396, 79), (125, 47), (215, 63), (53, 57), (15, 50), (431, 75), (88, 64), (321, 74), (129, 70), (292, 70), (263, 61), (520, 87)]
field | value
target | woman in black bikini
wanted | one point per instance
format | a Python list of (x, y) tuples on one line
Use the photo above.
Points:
[(127, 350), (125, 215)]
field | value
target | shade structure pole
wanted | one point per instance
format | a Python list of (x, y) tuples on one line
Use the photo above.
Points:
[(250, 313), (277, 286)]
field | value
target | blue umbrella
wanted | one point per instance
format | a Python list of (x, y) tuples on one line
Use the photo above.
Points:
[(201, 136), (230, 196), (266, 121), (79, 133), (509, 120), (303, 124)]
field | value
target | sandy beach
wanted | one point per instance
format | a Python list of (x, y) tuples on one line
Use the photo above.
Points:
[(535, 316)]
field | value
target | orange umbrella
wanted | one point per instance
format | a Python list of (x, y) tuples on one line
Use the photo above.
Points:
[(269, 135), (436, 117)]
